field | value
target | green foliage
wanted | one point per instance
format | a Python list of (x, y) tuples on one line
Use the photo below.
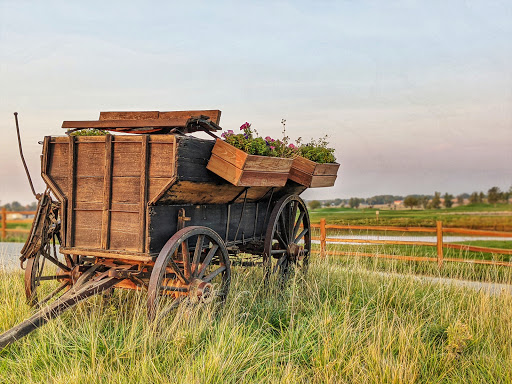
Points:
[(314, 204), (250, 142), (411, 201), (493, 195), (436, 201), (354, 202), (448, 200), (318, 151), (89, 132)]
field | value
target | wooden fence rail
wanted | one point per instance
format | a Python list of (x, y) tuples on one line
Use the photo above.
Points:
[(4, 230), (439, 230)]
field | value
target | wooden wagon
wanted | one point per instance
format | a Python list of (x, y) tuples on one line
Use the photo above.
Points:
[(142, 211)]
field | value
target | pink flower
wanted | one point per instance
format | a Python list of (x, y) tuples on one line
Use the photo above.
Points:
[(230, 132), (244, 126), (291, 146), (272, 147), (268, 138)]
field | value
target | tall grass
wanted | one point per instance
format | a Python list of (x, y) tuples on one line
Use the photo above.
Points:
[(340, 323)]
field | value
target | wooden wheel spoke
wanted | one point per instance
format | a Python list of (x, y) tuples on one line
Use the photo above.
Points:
[(57, 263), (284, 232), (301, 235), (178, 272), (280, 239), (185, 257), (45, 278), (167, 288), (293, 215), (197, 254), (297, 225), (277, 251), (211, 275), (280, 262), (207, 261)]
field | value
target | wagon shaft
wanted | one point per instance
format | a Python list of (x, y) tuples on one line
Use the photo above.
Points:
[(86, 286)]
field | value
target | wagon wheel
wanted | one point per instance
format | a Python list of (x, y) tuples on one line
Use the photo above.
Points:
[(192, 266), (47, 275), (288, 237)]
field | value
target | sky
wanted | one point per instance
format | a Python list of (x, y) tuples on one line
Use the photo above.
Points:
[(415, 97)]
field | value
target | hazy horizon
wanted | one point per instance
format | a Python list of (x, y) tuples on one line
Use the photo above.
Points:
[(415, 97)]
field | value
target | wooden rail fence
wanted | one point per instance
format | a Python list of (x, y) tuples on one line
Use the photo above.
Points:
[(4, 230), (439, 230)]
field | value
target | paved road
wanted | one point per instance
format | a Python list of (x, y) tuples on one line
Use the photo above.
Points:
[(9, 256)]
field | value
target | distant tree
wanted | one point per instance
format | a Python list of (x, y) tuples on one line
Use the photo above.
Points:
[(411, 201), (473, 199), (481, 197), (314, 204), (354, 202), (337, 202), (493, 195), (460, 200), (424, 201), (448, 200), (436, 201)]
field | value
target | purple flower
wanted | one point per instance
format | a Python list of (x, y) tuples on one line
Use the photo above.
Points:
[(230, 132), (246, 136)]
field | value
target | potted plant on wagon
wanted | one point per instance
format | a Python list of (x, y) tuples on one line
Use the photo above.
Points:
[(315, 165), (245, 159)]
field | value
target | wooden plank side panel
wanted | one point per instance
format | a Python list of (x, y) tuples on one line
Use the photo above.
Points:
[(90, 159), (124, 231), (59, 159), (267, 164), (126, 158), (126, 190), (228, 171), (229, 153), (261, 179), (89, 189), (322, 181), (71, 191), (161, 157), (107, 194), (87, 229)]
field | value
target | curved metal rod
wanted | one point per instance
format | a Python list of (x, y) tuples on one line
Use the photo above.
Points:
[(22, 157)]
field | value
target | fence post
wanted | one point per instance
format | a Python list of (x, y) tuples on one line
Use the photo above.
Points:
[(322, 238), (439, 232), (4, 223)]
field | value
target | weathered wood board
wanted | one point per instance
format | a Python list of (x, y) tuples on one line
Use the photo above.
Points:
[(244, 170), (110, 185), (107, 182), (313, 175)]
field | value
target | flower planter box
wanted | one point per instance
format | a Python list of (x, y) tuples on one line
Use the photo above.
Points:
[(244, 170), (313, 175)]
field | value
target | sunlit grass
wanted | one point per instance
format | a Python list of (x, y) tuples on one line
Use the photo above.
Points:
[(343, 322)]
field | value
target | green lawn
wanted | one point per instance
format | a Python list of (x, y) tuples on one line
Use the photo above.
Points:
[(465, 216)]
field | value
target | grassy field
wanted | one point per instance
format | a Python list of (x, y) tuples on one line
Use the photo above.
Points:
[(344, 322), (477, 216)]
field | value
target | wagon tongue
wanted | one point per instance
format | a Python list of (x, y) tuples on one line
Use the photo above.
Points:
[(89, 284)]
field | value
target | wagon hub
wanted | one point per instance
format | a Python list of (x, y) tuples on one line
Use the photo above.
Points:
[(294, 250), (200, 291)]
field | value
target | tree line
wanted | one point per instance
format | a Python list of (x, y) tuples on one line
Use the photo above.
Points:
[(436, 201)]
